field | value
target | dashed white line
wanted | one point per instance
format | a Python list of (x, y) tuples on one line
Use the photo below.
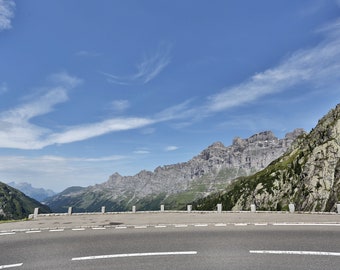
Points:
[(140, 227), (10, 265), (78, 229), (135, 255), (121, 227), (56, 230), (294, 252), (37, 231), (7, 233), (181, 226), (240, 224), (99, 228), (160, 226), (220, 225), (201, 225), (260, 224)]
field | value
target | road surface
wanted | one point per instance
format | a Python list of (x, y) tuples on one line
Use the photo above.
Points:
[(176, 246)]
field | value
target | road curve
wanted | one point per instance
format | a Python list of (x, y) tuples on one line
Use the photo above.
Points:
[(174, 247)]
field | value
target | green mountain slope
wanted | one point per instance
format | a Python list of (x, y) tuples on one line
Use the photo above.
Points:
[(308, 175), (16, 205)]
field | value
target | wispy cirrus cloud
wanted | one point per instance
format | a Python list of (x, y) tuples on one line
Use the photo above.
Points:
[(120, 105), (171, 148), (6, 14), (146, 70), (315, 66), (18, 131)]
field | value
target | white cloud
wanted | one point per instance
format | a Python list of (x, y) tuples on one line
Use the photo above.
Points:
[(3, 88), (120, 105), (84, 53), (86, 131), (315, 66), (171, 148), (141, 152), (6, 14), (147, 69)]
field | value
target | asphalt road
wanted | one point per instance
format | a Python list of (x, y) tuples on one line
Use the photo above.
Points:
[(174, 247)]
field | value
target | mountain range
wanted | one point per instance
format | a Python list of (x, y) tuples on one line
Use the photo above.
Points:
[(38, 194), (179, 184)]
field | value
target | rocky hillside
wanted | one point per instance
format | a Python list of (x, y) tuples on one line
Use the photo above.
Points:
[(308, 175), (16, 205), (178, 184)]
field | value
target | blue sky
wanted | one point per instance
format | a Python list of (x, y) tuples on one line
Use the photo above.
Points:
[(89, 88)]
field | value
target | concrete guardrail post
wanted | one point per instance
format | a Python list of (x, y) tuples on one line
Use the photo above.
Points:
[(253, 208), (103, 209), (338, 208), (291, 208), (162, 208), (189, 208), (134, 209), (219, 208), (69, 212), (36, 212)]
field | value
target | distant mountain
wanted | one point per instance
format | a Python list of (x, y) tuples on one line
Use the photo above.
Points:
[(178, 184), (308, 175), (16, 205), (38, 194)]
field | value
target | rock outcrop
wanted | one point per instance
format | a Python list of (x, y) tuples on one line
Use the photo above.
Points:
[(308, 175)]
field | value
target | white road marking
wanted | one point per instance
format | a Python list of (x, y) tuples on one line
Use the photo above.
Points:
[(121, 227), (201, 225), (140, 227), (135, 255), (293, 252), (181, 226), (160, 226), (260, 224), (7, 233), (10, 265), (78, 229), (99, 228), (306, 224), (56, 230), (220, 225), (240, 224), (37, 231)]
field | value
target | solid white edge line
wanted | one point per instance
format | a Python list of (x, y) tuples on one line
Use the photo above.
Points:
[(10, 265), (134, 255), (295, 252)]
